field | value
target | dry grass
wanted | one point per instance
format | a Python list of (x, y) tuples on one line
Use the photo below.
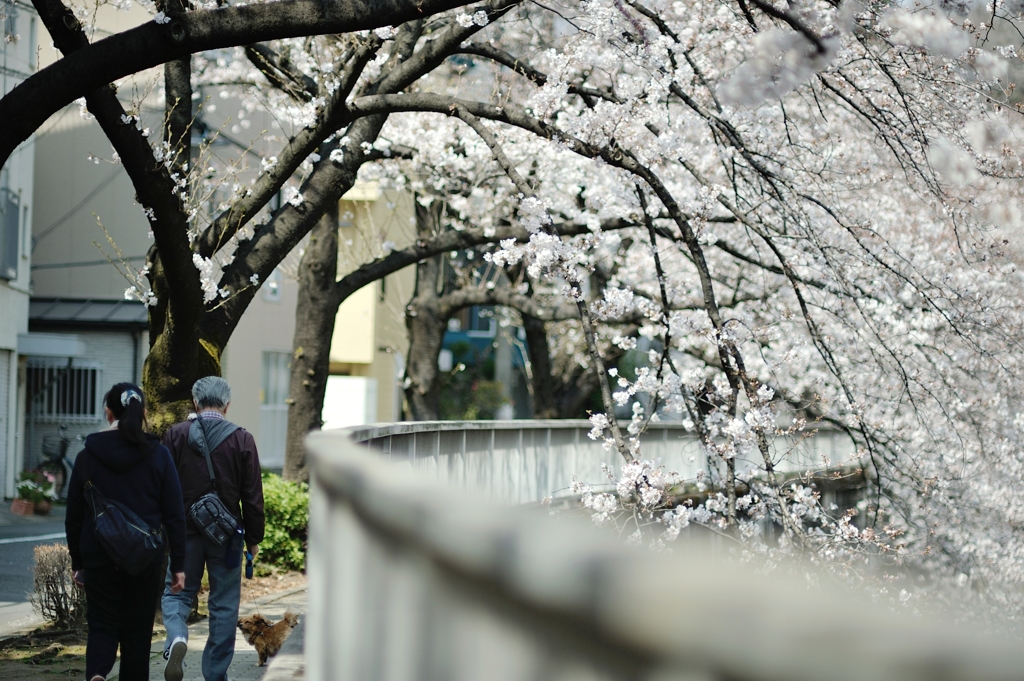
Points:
[(56, 597)]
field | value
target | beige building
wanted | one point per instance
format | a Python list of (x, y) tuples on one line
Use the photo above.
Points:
[(369, 343)]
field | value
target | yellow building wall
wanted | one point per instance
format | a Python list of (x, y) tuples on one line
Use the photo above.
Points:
[(369, 335), (353, 339)]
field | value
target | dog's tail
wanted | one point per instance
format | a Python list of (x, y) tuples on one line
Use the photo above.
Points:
[(291, 618)]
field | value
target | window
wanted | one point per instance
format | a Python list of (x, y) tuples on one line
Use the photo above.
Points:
[(26, 238), (481, 321), (273, 431), (11, 24), (59, 392), (276, 375), (32, 47), (10, 227), (272, 287)]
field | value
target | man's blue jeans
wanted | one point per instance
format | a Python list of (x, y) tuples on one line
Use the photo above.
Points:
[(225, 592)]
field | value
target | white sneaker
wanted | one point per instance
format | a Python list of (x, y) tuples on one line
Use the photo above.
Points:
[(175, 656)]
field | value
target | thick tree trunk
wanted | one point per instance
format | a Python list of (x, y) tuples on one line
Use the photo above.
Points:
[(559, 396), (179, 354), (426, 326), (314, 326), (544, 406), (554, 397)]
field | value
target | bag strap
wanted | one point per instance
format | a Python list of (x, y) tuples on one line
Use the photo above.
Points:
[(221, 431), (206, 453), (88, 490), (94, 498)]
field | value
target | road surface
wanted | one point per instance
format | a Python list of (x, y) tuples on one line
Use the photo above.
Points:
[(17, 539)]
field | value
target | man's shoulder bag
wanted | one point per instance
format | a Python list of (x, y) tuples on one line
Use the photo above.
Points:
[(129, 541), (209, 514)]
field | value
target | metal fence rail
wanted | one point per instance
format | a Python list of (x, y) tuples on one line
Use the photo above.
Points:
[(523, 461), (411, 579)]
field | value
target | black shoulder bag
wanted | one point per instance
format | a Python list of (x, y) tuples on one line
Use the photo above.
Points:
[(131, 543), (209, 514)]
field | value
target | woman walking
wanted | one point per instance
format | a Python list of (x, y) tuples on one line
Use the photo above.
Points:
[(127, 465)]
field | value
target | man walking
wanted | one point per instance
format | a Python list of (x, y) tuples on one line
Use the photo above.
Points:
[(236, 468)]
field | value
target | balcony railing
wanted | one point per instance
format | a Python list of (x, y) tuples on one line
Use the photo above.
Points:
[(414, 578)]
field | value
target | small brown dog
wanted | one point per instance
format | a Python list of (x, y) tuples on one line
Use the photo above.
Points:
[(267, 638)]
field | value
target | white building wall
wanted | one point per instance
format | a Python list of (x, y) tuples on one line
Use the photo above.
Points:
[(349, 401), (17, 62), (112, 353), (7, 414)]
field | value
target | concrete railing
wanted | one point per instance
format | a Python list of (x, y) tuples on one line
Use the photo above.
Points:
[(519, 462), (412, 579)]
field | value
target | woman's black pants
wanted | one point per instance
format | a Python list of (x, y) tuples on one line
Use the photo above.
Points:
[(120, 611)]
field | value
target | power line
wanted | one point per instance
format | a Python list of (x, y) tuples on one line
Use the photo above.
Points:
[(110, 178), (82, 263)]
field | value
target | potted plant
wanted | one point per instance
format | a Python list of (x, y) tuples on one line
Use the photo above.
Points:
[(35, 493), (23, 504)]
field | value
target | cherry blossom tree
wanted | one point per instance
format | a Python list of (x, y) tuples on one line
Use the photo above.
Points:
[(818, 193), (814, 197), (809, 203)]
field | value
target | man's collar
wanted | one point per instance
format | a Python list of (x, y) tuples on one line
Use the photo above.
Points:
[(211, 414)]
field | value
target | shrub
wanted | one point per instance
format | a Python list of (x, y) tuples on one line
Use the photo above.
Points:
[(56, 597), (286, 505)]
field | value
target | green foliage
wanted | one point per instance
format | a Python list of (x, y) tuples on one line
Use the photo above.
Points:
[(487, 398), (36, 486), (465, 398), (286, 505), (469, 392)]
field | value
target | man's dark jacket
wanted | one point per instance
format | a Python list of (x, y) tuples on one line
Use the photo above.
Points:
[(237, 467), (142, 479)]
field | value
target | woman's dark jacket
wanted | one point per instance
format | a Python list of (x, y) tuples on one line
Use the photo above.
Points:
[(143, 480)]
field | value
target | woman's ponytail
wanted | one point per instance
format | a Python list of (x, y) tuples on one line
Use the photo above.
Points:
[(126, 402)]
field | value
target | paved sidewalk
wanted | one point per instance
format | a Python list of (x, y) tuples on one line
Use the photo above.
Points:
[(243, 668), (56, 515)]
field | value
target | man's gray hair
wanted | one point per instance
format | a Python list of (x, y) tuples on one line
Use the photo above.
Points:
[(211, 391)]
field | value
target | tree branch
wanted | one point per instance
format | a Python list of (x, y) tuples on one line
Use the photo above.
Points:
[(334, 116), (31, 102), (444, 242), (478, 295), (153, 185), (281, 73)]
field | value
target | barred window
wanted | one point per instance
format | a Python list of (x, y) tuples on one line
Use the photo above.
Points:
[(57, 391)]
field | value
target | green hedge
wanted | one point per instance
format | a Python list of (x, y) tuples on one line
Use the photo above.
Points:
[(287, 509)]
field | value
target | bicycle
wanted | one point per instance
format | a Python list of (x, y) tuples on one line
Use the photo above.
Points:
[(55, 458)]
